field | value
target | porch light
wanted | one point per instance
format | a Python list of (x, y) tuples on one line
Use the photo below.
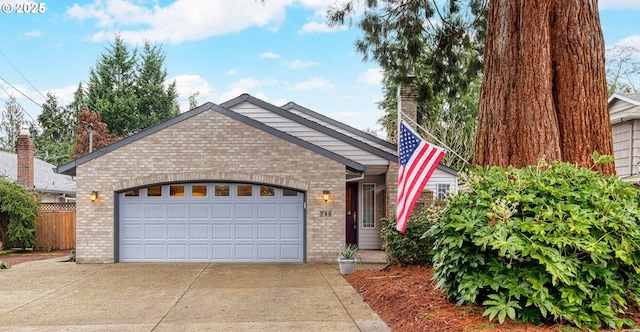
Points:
[(93, 196), (325, 195)]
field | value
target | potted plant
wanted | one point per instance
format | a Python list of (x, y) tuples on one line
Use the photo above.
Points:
[(347, 257)]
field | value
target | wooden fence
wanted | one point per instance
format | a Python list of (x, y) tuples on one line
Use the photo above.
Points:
[(56, 227)]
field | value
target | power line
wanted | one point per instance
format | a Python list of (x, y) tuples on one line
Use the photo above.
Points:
[(20, 92), (14, 67), (21, 108)]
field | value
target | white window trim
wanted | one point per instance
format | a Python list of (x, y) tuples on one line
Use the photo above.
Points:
[(361, 221)]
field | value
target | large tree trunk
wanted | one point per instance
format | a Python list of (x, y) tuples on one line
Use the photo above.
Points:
[(544, 89)]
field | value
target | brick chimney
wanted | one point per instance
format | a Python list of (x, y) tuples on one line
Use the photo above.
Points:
[(407, 93), (25, 149)]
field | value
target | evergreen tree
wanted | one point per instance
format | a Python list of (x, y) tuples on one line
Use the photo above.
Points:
[(128, 88), (440, 46), (156, 102), (55, 143), (10, 124), (112, 91)]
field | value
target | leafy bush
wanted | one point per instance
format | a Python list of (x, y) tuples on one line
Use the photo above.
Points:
[(410, 247), (4, 265), (22, 208), (551, 241)]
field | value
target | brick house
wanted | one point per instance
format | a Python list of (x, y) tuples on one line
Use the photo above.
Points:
[(244, 181)]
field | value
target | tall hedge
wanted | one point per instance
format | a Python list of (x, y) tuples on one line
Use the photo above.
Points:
[(551, 242), (22, 208)]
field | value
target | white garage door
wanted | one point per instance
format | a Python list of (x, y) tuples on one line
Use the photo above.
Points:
[(211, 222)]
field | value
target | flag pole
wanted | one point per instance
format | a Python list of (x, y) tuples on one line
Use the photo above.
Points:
[(431, 135)]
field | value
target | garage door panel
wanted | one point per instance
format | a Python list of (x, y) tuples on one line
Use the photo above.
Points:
[(290, 231), (153, 210), (244, 252), (222, 231), (198, 211), (131, 252), (176, 231), (221, 227), (154, 252), (221, 210), (199, 231), (243, 210), (132, 232), (267, 210), (177, 211), (268, 252), (244, 231), (290, 211), (291, 252), (222, 252), (132, 211), (199, 252), (177, 252), (153, 232), (267, 231)]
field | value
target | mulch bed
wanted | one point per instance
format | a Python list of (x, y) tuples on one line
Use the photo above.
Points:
[(17, 257), (406, 299)]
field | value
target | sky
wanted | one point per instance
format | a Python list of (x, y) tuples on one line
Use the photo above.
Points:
[(276, 50)]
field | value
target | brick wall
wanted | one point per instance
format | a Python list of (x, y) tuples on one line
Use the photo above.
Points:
[(25, 150), (209, 147)]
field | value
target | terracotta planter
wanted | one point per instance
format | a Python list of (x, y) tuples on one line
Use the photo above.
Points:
[(347, 266)]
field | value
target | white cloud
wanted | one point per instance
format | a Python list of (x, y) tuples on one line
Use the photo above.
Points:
[(270, 55), (182, 20), (321, 27), (299, 64), (630, 41), (619, 4), (187, 85), (372, 76), (64, 94), (246, 84), (233, 93), (32, 34), (231, 72), (315, 83)]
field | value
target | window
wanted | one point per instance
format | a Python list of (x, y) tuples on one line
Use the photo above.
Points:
[(245, 190), (267, 191), (221, 190), (368, 205), (289, 193), (443, 190), (176, 191), (198, 191), (132, 193), (155, 191)]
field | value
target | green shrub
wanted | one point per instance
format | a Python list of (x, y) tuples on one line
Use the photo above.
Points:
[(22, 208), (410, 247), (4, 265), (551, 241)]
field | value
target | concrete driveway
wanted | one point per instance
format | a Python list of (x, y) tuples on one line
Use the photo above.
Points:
[(56, 296)]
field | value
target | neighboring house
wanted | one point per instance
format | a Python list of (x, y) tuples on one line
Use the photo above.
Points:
[(244, 181), (36, 174), (624, 112)]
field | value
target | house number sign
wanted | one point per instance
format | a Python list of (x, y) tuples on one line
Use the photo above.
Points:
[(325, 213)]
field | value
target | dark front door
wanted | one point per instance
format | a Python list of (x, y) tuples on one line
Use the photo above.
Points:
[(352, 213)]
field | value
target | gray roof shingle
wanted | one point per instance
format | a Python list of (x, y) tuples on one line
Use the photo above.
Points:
[(45, 179)]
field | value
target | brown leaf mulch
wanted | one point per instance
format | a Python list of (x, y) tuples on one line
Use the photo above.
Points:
[(405, 298), (17, 257)]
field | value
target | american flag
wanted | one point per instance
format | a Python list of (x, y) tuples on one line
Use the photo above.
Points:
[(417, 161)]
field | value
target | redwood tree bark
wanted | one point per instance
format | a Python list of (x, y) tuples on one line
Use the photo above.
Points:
[(544, 90)]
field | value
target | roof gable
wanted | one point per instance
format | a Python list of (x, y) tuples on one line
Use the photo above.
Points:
[(624, 107), (70, 168), (312, 125)]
